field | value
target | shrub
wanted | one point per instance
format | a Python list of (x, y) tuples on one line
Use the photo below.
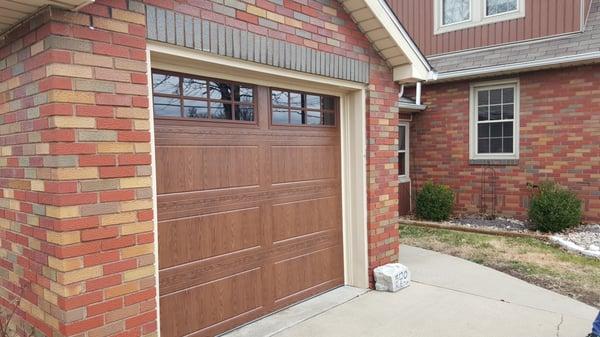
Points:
[(553, 208), (434, 202)]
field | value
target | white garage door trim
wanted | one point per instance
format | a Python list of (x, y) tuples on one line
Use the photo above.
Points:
[(353, 137)]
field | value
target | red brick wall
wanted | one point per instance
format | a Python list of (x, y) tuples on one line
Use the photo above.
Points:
[(75, 215), (559, 141), (382, 168)]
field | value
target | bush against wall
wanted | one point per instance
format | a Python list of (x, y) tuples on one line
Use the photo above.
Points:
[(434, 202), (554, 208)]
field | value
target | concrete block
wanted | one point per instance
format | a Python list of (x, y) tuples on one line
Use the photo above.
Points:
[(391, 277)]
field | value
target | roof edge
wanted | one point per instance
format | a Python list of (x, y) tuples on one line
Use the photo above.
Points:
[(555, 62), (413, 46), (416, 68)]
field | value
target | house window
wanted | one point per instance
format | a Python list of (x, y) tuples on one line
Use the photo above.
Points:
[(455, 11), (403, 151), (451, 15), (494, 119), (496, 7), (185, 96), (299, 108)]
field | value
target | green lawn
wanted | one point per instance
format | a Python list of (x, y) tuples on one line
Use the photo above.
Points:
[(529, 259)]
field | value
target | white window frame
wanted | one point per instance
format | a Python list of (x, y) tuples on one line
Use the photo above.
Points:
[(485, 15), (477, 16), (406, 176), (473, 119), (441, 13)]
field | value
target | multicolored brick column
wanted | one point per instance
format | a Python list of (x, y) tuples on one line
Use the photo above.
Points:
[(76, 208), (382, 167)]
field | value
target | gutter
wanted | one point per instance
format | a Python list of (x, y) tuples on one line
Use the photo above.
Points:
[(411, 107), (521, 66)]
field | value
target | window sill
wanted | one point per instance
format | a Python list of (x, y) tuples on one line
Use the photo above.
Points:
[(403, 180), (494, 162)]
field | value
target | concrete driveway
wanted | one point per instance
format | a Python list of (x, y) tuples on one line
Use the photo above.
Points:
[(448, 297)]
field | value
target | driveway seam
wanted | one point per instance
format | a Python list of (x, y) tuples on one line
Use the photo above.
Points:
[(493, 299)]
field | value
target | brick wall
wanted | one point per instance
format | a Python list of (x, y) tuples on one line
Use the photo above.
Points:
[(75, 217), (75, 210), (382, 167), (559, 133)]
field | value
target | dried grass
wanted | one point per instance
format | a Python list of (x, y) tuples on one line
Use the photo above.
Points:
[(532, 260)]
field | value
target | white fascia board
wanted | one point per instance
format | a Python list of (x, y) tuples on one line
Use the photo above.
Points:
[(419, 69)]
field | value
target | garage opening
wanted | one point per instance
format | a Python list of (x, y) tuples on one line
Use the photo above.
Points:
[(248, 183)]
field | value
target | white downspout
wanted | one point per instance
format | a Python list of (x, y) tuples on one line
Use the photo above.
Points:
[(418, 94)]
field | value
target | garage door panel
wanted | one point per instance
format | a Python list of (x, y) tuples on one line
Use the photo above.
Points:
[(305, 217), (203, 271), (206, 167), (303, 163), (195, 133), (195, 238), (173, 206), (207, 270), (200, 307), (296, 274), (303, 245)]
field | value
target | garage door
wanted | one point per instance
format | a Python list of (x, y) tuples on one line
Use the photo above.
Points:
[(249, 205)]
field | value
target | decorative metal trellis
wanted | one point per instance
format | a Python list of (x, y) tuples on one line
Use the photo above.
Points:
[(488, 197)]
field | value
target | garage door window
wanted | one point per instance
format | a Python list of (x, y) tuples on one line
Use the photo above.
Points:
[(184, 96), (299, 108)]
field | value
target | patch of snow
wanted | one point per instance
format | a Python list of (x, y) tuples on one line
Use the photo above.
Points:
[(584, 236), (569, 245)]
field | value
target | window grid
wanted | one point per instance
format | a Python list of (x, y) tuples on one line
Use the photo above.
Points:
[(242, 109), (403, 151), (298, 110), (495, 120)]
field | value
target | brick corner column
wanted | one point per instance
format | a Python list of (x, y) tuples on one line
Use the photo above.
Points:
[(76, 215), (382, 167)]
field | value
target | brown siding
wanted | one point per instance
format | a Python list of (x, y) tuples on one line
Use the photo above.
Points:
[(542, 18)]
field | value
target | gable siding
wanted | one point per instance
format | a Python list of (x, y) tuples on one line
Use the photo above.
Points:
[(542, 18)]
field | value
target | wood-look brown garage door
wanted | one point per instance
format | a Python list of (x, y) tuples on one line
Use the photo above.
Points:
[(249, 205)]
